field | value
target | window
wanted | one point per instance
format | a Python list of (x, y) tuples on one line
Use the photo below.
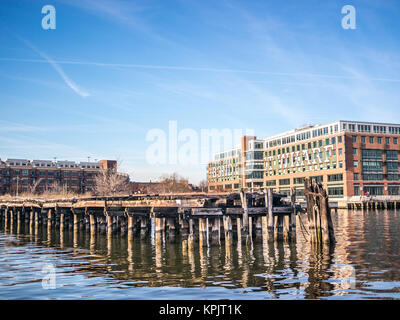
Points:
[(333, 140), (387, 140), (362, 139), (372, 166), (335, 177), (271, 183), (298, 181), (374, 190), (393, 166), (391, 155), (335, 192), (340, 164), (25, 172), (354, 139), (339, 139), (380, 140), (355, 175), (394, 140), (356, 189), (372, 154), (393, 190), (371, 139), (354, 151), (372, 176), (340, 151), (355, 164), (284, 182), (318, 179)]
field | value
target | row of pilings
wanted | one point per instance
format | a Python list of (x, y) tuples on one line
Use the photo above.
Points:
[(271, 221)]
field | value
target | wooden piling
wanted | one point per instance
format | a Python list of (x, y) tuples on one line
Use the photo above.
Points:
[(245, 227), (93, 223), (227, 227), (292, 217), (131, 227), (216, 230), (318, 212), (270, 215), (203, 232), (191, 237), (239, 228), (258, 227)]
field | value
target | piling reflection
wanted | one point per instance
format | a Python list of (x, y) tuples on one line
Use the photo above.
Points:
[(367, 249)]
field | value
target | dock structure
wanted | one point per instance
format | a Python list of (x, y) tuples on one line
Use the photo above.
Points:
[(373, 203), (205, 219)]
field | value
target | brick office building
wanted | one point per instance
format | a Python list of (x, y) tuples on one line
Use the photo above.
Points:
[(24, 175), (349, 158)]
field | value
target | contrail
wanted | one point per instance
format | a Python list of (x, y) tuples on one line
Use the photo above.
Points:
[(56, 67), (184, 68)]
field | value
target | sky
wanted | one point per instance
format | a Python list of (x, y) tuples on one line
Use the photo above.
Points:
[(113, 71)]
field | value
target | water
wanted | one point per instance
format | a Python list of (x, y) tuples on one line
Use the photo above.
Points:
[(364, 264)]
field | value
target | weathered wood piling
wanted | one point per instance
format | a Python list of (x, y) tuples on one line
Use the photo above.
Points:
[(196, 220), (318, 212)]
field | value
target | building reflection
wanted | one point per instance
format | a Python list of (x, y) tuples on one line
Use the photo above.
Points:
[(276, 268)]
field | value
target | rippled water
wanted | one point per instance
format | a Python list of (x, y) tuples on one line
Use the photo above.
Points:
[(364, 264)]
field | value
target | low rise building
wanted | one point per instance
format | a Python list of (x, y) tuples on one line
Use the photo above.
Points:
[(22, 175)]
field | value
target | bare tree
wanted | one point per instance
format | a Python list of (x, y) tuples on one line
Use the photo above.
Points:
[(172, 183), (203, 185), (111, 182)]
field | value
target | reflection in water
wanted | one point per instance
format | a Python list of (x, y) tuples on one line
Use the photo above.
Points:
[(364, 263)]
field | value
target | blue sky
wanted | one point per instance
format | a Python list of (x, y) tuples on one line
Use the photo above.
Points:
[(113, 70)]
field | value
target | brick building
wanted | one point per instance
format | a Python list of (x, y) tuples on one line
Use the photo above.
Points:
[(349, 158), (25, 175)]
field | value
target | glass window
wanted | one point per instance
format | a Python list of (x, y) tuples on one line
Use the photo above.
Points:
[(380, 140), (391, 154), (354, 151), (335, 192), (355, 164), (354, 138), (356, 176), (339, 139), (394, 140), (335, 177), (362, 139)]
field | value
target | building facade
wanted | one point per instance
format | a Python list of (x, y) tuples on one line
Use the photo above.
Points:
[(22, 175), (349, 158)]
